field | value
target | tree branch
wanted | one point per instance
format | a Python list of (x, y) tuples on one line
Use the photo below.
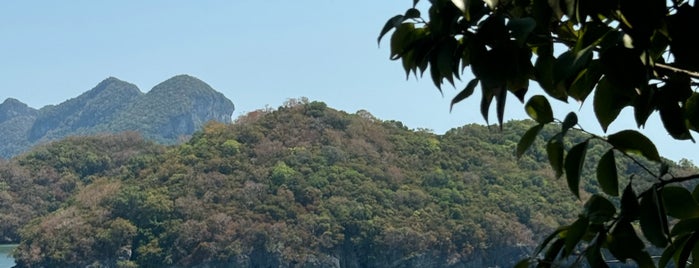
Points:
[(677, 70), (679, 179)]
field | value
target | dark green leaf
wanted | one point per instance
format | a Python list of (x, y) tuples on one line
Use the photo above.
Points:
[(547, 240), (544, 73), (570, 121), (631, 141), (527, 139), (554, 250), (651, 222), (412, 13), (554, 149), (573, 166), (599, 210), (500, 98), (607, 174), (691, 111), (486, 100), (624, 243), (695, 193), (695, 252), (608, 103), (672, 116), (444, 59), (523, 263), (671, 250), (682, 259), (390, 24), (401, 39), (685, 227), (594, 256), (679, 203), (644, 105), (468, 90), (630, 208), (585, 82), (574, 233), (521, 28), (539, 109)]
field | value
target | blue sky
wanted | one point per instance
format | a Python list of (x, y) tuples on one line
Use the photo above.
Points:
[(258, 53)]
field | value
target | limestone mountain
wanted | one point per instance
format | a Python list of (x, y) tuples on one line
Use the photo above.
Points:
[(176, 107), (171, 110), (16, 118), (80, 115)]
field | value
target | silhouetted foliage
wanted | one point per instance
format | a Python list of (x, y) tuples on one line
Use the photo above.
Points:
[(637, 54)]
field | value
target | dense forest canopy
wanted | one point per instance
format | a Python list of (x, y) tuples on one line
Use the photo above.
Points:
[(630, 53), (301, 185)]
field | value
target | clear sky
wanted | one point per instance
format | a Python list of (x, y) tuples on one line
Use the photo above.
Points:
[(257, 53)]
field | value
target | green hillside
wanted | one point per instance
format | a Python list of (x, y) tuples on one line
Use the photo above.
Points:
[(301, 186)]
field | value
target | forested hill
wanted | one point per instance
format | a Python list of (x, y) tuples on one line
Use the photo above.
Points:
[(171, 110), (301, 186)]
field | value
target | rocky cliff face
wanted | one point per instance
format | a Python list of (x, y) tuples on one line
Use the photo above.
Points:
[(173, 109)]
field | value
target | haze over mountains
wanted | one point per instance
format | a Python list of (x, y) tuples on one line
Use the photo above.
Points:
[(173, 109)]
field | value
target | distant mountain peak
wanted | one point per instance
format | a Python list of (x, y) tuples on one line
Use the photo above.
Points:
[(113, 84), (11, 108), (173, 109), (182, 84)]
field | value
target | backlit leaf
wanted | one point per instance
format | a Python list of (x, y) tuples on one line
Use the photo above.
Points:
[(631, 141), (539, 109)]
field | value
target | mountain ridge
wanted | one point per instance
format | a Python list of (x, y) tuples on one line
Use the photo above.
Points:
[(165, 113)]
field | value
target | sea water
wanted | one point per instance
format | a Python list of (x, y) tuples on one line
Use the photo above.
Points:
[(6, 261)]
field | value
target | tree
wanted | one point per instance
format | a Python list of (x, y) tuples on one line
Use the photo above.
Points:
[(631, 53)]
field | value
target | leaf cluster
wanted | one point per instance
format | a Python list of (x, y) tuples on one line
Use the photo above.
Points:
[(628, 53)]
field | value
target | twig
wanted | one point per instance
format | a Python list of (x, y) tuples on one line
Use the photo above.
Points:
[(679, 179), (677, 70)]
